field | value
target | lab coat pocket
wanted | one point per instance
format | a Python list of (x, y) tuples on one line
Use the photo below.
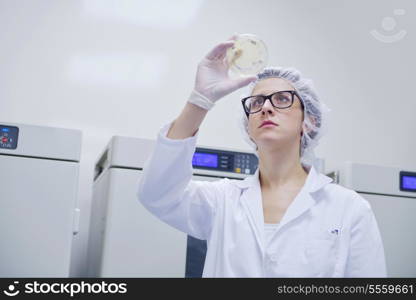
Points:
[(321, 254)]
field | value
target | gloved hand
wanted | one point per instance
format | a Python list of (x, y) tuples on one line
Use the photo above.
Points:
[(212, 81)]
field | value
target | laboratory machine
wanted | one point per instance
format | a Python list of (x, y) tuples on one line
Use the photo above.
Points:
[(38, 201), (391, 193), (125, 240)]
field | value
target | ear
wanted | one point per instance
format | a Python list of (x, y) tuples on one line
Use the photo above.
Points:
[(306, 128)]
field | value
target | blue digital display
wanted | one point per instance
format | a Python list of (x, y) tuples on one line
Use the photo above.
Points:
[(5, 129), (409, 182), (205, 160)]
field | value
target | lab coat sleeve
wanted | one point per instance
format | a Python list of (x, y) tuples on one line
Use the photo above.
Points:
[(366, 252), (167, 191)]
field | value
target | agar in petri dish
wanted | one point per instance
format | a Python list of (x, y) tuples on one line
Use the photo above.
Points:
[(248, 56)]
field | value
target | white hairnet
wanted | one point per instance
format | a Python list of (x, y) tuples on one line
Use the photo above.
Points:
[(315, 111)]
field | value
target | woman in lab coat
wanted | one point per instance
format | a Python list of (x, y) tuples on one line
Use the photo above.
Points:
[(287, 220)]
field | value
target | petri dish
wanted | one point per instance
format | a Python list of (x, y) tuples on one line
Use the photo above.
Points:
[(248, 56)]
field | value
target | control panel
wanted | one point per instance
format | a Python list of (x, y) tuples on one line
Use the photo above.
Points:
[(8, 137), (226, 161)]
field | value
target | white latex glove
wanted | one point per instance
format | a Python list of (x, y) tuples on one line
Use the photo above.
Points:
[(212, 81)]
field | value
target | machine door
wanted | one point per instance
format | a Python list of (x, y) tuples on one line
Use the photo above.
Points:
[(37, 202), (135, 243), (395, 217)]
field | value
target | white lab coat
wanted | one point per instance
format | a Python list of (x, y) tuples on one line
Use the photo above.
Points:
[(327, 231)]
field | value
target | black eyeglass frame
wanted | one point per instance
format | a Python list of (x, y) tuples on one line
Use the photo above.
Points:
[(292, 92)]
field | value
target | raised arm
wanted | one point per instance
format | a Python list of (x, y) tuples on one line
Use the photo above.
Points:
[(166, 187)]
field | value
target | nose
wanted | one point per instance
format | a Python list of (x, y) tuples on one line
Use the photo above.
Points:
[(267, 107)]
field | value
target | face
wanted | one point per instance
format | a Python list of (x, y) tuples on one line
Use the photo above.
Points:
[(288, 120)]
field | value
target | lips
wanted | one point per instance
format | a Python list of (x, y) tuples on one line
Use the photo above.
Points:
[(267, 123)]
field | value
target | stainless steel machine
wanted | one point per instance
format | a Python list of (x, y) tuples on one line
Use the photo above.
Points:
[(38, 200)]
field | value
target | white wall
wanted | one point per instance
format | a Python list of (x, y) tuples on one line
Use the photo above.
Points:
[(126, 68)]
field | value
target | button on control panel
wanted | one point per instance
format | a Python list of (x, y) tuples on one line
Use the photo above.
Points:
[(245, 163)]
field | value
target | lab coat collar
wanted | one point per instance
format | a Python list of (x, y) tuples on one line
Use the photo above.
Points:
[(252, 201)]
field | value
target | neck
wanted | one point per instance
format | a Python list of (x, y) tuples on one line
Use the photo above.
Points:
[(281, 169)]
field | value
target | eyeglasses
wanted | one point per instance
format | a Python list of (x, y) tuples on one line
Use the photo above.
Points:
[(281, 99)]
